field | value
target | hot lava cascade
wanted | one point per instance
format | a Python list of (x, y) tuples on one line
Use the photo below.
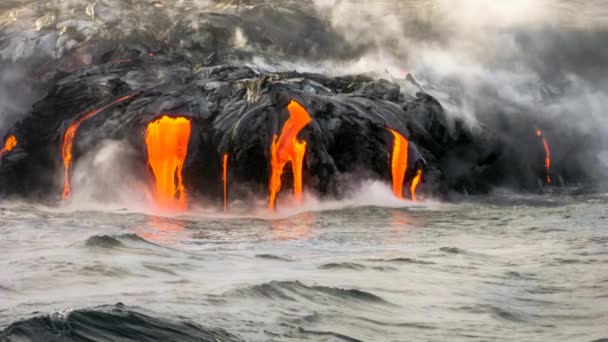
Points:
[(68, 142), (415, 183), (9, 145), (225, 180), (349, 134), (539, 133), (184, 67), (399, 162), (287, 148), (167, 142)]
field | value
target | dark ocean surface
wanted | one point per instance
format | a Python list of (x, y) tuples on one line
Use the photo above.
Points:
[(497, 268)]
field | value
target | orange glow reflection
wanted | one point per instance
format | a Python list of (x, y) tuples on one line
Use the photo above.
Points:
[(399, 218), (161, 230), (298, 227)]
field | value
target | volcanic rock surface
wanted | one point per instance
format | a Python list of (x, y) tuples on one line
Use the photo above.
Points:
[(202, 67)]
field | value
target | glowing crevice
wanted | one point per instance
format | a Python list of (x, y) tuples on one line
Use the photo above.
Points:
[(167, 141), (68, 142), (287, 148)]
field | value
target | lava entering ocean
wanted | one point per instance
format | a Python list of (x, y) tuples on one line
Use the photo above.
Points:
[(225, 179), (399, 162), (9, 145), (539, 133), (68, 142), (415, 183), (167, 141), (287, 148)]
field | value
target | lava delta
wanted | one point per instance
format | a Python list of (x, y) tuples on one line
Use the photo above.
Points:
[(207, 123)]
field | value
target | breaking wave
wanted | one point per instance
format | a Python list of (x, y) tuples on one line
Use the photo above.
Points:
[(110, 323)]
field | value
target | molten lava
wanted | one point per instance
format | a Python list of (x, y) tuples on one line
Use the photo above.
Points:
[(9, 145), (547, 155), (225, 180), (399, 162), (167, 142), (287, 148), (120, 61), (415, 183), (68, 141)]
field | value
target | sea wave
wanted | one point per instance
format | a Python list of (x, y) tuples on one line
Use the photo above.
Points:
[(296, 291), (111, 323)]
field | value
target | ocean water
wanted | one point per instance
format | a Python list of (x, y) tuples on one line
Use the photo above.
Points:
[(502, 267)]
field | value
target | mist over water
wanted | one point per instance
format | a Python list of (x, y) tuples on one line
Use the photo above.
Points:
[(107, 265)]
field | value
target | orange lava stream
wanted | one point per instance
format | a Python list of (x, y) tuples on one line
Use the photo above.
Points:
[(287, 148), (225, 180), (167, 141), (547, 155), (415, 183), (120, 61), (68, 142), (9, 145), (399, 162)]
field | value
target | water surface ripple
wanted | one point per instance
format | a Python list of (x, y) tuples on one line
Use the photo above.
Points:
[(501, 268)]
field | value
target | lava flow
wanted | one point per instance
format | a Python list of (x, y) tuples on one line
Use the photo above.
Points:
[(167, 142), (287, 148), (539, 133), (225, 180), (9, 145), (399, 162), (68, 141), (415, 183)]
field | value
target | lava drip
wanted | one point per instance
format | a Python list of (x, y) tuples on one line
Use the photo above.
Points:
[(68, 142), (399, 162), (9, 145), (415, 183), (539, 133), (287, 148), (167, 141), (225, 180)]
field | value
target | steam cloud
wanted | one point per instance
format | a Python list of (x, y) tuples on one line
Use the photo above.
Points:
[(508, 65)]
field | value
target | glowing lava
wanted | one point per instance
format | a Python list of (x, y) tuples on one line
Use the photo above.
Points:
[(167, 141), (547, 155), (9, 145), (415, 183), (287, 148), (225, 180), (399, 162), (68, 141), (120, 61)]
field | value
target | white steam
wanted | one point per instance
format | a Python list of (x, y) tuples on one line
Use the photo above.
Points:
[(537, 59), (107, 177)]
